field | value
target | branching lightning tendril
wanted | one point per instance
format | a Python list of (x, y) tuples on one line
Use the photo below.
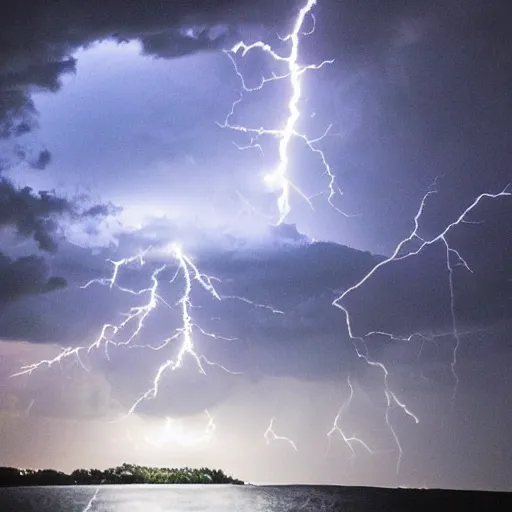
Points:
[(280, 177), (138, 315), (336, 426), (270, 435), (400, 253)]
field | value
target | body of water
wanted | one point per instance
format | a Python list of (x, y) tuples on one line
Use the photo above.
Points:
[(198, 498)]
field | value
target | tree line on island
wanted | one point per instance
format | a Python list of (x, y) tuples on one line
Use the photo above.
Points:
[(124, 474)]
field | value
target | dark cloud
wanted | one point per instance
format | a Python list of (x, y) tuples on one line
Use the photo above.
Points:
[(300, 278), (32, 214), (370, 34), (44, 76), (309, 341), (38, 161), (293, 272), (38, 39), (416, 291), (17, 113), (101, 210), (420, 90), (43, 159), (37, 214), (289, 273), (26, 276), (170, 45)]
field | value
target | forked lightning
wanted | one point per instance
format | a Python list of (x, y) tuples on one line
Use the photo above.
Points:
[(280, 179), (137, 316), (401, 253), (270, 435)]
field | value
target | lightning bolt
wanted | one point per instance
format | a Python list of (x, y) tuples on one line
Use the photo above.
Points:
[(137, 316), (336, 426), (88, 508), (254, 304), (189, 271), (279, 179), (400, 253), (112, 281), (270, 435), (108, 331)]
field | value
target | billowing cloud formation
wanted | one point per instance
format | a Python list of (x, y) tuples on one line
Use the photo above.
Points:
[(25, 276), (32, 214), (37, 40), (426, 87), (37, 214), (43, 159), (306, 347), (301, 278)]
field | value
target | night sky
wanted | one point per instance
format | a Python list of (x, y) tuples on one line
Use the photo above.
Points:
[(110, 144)]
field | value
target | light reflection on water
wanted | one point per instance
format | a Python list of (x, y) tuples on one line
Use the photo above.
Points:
[(227, 498), (174, 498)]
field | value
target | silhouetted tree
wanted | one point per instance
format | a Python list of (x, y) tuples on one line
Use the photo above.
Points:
[(124, 474)]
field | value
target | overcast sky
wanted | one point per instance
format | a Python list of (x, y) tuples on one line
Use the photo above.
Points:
[(111, 115)]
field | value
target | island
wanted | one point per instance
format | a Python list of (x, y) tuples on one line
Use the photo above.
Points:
[(123, 474)]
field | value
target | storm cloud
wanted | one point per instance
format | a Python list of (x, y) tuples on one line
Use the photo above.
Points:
[(295, 275), (25, 276), (32, 214), (38, 39), (36, 217), (37, 214)]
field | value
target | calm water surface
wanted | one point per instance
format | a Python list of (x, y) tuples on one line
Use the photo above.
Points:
[(172, 498), (211, 498)]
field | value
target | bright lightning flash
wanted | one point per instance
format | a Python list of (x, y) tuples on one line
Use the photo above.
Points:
[(137, 316), (270, 435), (185, 332), (279, 179), (453, 259)]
